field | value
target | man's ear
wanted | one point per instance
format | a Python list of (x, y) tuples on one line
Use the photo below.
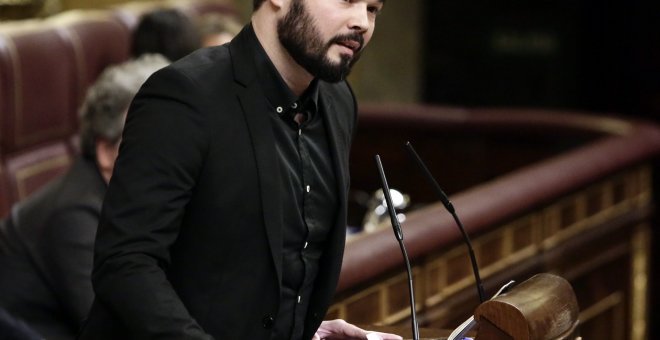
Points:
[(279, 4), (103, 154), (106, 154)]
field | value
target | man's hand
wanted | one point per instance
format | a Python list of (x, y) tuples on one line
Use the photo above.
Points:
[(340, 329)]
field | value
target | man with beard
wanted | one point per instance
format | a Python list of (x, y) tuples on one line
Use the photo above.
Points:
[(226, 214)]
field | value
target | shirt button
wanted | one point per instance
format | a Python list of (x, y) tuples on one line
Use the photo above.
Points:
[(268, 322), (298, 298), (308, 188), (279, 109), (299, 132), (294, 106), (306, 244)]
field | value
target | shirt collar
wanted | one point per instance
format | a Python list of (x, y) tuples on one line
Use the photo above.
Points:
[(280, 97)]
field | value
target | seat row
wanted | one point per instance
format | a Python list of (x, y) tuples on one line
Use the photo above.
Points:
[(46, 65)]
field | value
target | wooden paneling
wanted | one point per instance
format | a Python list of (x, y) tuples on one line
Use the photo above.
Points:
[(593, 237)]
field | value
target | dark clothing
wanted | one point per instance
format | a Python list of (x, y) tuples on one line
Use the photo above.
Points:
[(14, 329), (307, 191), (46, 265), (309, 209), (190, 243)]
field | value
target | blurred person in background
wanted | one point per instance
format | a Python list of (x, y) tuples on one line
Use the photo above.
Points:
[(217, 29), (166, 31), (46, 243), (14, 329)]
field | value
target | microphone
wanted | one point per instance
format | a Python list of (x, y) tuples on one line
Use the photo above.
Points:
[(398, 233), (450, 207)]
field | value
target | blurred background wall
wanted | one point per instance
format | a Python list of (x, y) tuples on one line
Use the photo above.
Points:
[(588, 54)]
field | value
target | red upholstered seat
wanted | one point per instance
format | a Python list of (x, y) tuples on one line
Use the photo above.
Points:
[(29, 170), (46, 66), (38, 86), (98, 40)]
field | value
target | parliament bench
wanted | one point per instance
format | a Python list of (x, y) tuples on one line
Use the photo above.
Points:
[(46, 66)]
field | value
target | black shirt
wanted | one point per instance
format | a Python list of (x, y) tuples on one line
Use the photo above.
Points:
[(308, 191)]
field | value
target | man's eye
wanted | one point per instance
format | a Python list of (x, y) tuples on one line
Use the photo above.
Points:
[(373, 9)]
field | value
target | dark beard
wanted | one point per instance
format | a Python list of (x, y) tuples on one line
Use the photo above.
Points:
[(302, 40)]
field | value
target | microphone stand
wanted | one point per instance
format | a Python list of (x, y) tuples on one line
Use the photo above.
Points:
[(450, 207), (398, 233)]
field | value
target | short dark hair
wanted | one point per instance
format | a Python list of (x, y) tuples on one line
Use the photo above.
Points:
[(257, 4), (166, 31)]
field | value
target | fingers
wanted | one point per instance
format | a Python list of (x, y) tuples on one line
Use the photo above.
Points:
[(341, 329), (382, 336), (373, 336)]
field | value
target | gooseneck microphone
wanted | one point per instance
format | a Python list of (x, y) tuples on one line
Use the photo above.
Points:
[(399, 236), (450, 207)]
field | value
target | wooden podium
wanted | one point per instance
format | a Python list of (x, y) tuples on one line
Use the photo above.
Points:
[(542, 307)]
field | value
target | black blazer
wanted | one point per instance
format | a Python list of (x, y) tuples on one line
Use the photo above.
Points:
[(190, 238), (46, 247)]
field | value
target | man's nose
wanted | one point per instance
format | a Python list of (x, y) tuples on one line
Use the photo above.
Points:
[(359, 19)]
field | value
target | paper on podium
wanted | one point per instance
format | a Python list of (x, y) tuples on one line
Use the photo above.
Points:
[(467, 325)]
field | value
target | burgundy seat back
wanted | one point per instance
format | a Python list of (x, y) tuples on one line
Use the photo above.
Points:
[(46, 66), (98, 40), (38, 85), (31, 169)]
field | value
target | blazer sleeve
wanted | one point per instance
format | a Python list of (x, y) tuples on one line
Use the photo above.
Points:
[(162, 150), (69, 244)]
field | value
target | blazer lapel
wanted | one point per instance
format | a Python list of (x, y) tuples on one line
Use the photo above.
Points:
[(338, 145), (253, 102), (339, 151)]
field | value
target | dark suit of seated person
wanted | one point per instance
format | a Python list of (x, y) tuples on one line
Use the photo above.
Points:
[(14, 329), (46, 243)]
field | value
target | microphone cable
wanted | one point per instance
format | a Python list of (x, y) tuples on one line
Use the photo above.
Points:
[(399, 236), (450, 207)]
